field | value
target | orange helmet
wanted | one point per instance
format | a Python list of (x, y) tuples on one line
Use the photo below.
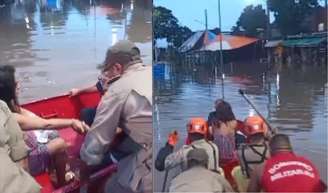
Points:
[(197, 125), (255, 124)]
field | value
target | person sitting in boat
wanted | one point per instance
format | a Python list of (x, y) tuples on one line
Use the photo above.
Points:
[(224, 124), (197, 177), (219, 104), (127, 104), (252, 153), (13, 153), (45, 144), (106, 78), (197, 134), (285, 171)]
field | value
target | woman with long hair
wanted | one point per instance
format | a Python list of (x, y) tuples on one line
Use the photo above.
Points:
[(44, 149), (223, 126)]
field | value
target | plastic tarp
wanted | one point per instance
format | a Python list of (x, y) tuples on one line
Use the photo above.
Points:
[(208, 41), (229, 42)]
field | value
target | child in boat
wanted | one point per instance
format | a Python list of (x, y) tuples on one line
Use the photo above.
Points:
[(45, 146)]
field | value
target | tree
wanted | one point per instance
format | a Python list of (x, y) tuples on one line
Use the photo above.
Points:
[(291, 14), (252, 20), (166, 26)]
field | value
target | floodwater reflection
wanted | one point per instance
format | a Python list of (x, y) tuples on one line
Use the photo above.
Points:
[(57, 44)]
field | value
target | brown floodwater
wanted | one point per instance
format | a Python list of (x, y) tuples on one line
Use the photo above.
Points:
[(57, 44), (294, 99)]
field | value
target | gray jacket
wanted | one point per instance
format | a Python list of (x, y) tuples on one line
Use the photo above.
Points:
[(180, 157), (127, 104), (199, 179), (13, 178)]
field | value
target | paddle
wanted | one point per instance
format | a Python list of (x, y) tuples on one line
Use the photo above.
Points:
[(242, 93), (165, 180)]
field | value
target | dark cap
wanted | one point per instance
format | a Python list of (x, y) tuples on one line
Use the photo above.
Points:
[(122, 47), (199, 155)]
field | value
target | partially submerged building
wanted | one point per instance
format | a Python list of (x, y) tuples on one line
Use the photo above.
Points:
[(309, 49)]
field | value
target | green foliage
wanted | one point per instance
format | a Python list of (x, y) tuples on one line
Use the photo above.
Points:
[(252, 20), (290, 15), (166, 26)]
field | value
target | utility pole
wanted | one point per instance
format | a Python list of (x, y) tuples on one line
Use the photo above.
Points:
[(326, 3), (206, 25), (268, 31), (221, 54)]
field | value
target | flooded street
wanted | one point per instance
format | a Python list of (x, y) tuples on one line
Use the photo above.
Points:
[(293, 99), (57, 44)]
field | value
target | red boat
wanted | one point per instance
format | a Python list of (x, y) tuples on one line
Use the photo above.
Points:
[(69, 107), (65, 106)]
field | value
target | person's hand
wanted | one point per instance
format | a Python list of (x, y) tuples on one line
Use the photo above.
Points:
[(74, 92), (173, 138), (79, 126)]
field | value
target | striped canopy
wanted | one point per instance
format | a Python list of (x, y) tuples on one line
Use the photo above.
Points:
[(208, 41), (229, 42)]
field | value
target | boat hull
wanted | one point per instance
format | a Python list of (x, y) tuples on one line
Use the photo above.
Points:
[(65, 106)]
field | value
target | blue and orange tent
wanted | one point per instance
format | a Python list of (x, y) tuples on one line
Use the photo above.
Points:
[(208, 41)]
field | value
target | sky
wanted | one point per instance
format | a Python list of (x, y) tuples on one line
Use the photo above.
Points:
[(191, 12)]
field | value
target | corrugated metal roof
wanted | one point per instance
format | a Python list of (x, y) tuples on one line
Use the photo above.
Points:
[(208, 41), (229, 42), (191, 42)]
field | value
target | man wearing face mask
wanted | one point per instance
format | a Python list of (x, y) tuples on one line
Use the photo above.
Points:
[(126, 104), (104, 79)]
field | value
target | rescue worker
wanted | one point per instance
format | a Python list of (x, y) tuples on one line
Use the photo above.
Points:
[(285, 171), (127, 104), (13, 156), (255, 151), (104, 80), (252, 153), (197, 178), (197, 133)]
